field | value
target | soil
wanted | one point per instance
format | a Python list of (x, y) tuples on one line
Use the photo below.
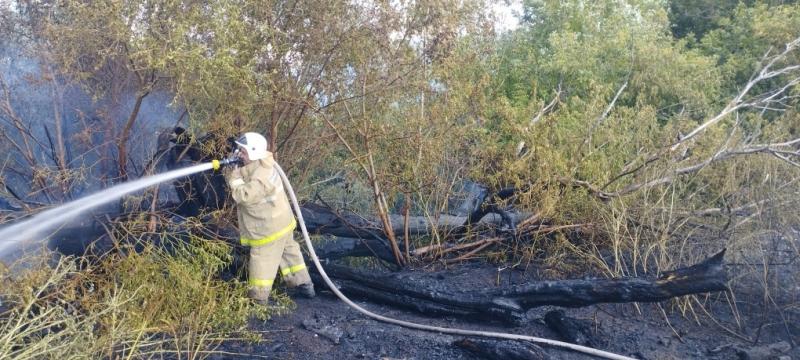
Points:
[(326, 328)]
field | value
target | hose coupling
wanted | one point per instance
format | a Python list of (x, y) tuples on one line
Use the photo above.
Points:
[(233, 160)]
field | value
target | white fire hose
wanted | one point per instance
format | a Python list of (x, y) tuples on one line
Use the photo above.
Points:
[(332, 286)]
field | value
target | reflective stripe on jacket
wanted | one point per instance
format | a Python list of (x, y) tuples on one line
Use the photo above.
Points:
[(262, 206)]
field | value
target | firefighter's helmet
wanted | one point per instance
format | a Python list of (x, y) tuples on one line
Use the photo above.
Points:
[(254, 144)]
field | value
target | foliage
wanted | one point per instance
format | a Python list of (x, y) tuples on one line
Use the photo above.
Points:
[(646, 133), (127, 304), (696, 18), (744, 38)]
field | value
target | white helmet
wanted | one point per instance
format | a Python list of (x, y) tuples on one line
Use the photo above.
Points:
[(254, 144)]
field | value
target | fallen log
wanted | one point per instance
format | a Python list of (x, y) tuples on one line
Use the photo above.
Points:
[(334, 248), (427, 295), (409, 291), (323, 220), (707, 276)]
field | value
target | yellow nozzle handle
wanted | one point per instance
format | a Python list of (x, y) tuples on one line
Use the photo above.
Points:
[(215, 164)]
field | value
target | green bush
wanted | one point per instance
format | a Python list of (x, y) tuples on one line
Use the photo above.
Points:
[(128, 304)]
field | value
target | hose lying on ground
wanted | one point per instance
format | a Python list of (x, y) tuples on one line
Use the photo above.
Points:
[(332, 286)]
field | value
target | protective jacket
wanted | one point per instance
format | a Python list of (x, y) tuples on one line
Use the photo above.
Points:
[(263, 208), (266, 223)]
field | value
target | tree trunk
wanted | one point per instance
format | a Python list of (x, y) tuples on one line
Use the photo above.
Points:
[(60, 149), (122, 141)]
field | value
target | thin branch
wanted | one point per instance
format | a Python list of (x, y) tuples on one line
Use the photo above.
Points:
[(601, 118), (738, 211), (763, 102), (549, 107), (738, 102), (719, 156), (609, 107)]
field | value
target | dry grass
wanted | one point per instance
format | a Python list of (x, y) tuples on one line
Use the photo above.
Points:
[(127, 304)]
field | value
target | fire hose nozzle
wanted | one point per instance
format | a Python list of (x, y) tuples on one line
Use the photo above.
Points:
[(233, 160)]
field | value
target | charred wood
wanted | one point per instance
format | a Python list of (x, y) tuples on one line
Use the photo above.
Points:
[(510, 304), (707, 276), (569, 329), (488, 204), (502, 350), (324, 220), (405, 290)]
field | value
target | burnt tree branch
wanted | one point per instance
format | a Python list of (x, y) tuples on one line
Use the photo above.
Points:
[(510, 304)]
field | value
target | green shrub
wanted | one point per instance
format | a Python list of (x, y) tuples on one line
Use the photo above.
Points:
[(128, 304)]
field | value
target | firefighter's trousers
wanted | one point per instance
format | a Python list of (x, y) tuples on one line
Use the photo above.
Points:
[(265, 260)]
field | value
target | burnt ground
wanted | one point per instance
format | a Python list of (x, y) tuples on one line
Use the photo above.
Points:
[(326, 328)]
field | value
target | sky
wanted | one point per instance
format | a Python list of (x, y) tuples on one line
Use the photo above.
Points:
[(507, 12)]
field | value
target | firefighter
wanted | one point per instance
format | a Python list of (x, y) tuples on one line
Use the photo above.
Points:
[(266, 222)]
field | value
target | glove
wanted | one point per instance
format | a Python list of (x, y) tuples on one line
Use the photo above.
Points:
[(233, 176)]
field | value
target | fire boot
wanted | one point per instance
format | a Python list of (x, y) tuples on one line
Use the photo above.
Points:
[(306, 290)]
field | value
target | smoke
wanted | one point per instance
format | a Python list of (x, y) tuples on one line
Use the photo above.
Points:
[(35, 99)]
